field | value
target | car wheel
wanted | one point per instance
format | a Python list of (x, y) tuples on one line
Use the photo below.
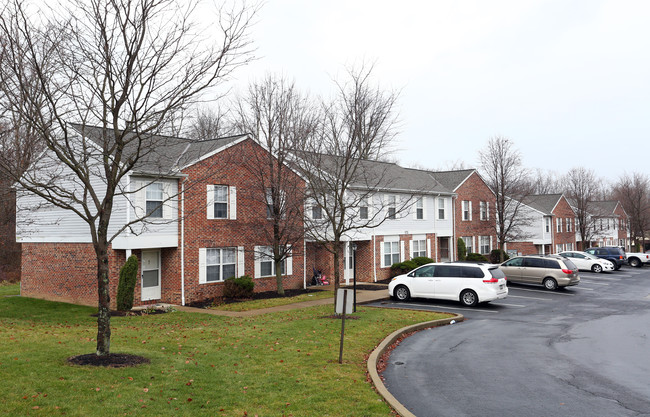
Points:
[(468, 298), (616, 266), (597, 268), (550, 284), (634, 262), (402, 293)]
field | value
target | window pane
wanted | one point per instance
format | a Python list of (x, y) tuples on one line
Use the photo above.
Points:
[(212, 256), (212, 273), (266, 268), (155, 191), (221, 193), (150, 278), (228, 256), (228, 271), (220, 210), (363, 213), (154, 209)]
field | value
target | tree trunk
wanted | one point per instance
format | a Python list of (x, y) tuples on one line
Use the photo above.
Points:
[(278, 277), (104, 316)]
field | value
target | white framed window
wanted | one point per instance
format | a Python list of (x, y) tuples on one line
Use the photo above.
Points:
[(265, 265), (418, 248), (392, 207), (547, 221), (222, 201), (569, 246), (219, 264), (316, 212), (559, 248), (390, 253), (484, 245), (268, 198), (154, 200), (558, 223), (568, 225), (364, 212), (419, 209), (466, 210), (484, 210), (441, 209), (469, 240)]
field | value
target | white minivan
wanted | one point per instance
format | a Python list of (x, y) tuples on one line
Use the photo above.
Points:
[(468, 283)]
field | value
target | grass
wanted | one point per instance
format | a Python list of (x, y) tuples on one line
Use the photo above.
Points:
[(9, 288), (272, 302), (201, 365)]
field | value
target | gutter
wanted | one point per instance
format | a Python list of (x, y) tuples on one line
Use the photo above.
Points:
[(182, 243)]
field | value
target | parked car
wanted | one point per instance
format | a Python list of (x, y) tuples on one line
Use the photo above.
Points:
[(468, 283), (588, 262), (552, 271), (614, 254), (637, 259)]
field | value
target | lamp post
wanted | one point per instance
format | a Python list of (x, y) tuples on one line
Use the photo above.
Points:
[(354, 276)]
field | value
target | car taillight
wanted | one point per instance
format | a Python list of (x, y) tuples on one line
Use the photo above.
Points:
[(620, 256), (491, 280), (567, 271)]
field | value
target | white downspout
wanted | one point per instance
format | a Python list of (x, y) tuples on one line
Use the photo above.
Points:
[(304, 264), (374, 255), (182, 242)]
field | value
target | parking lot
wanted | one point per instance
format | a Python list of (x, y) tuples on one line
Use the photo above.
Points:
[(577, 351)]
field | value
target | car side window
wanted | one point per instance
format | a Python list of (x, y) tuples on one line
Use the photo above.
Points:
[(425, 271), (591, 251), (514, 262), (550, 263), (580, 256), (447, 271), (601, 252), (534, 262), (472, 272)]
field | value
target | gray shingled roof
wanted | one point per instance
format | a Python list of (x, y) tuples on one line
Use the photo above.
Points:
[(543, 202), (164, 154), (389, 176), (603, 208), (452, 179)]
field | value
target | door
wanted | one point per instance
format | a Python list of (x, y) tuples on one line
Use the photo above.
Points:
[(422, 282), (444, 249), (150, 275)]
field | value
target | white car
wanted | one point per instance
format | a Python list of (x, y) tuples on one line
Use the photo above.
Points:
[(468, 283), (588, 262)]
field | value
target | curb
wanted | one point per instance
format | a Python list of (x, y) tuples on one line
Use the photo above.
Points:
[(383, 346)]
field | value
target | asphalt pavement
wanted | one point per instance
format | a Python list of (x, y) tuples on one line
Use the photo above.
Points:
[(581, 351)]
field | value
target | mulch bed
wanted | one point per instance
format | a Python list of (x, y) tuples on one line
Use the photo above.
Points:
[(112, 360), (367, 287), (256, 296), (115, 313)]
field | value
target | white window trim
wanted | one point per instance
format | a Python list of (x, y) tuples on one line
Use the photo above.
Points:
[(288, 263), (203, 265), (232, 202)]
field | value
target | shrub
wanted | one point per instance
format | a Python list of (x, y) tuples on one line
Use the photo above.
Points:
[(475, 257), (422, 260), (241, 287), (126, 284), (462, 249), (495, 256), (402, 267)]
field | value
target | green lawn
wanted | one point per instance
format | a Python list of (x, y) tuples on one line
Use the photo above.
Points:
[(272, 302), (201, 365), (9, 289)]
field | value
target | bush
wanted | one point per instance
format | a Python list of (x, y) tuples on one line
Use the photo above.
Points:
[(475, 257), (126, 284), (402, 267), (421, 260), (241, 287), (462, 249), (495, 256)]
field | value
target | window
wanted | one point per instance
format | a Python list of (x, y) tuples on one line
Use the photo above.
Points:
[(392, 202), (568, 224), (281, 205), (220, 264), (484, 244), (265, 265), (441, 209), (419, 209), (466, 209), (154, 200), (548, 224), (569, 246), (425, 271), (363, 209), (468, 243), (418, 248), (391, 253), (316, 212), (483, 207), (559, 248), (222, 202), (558, 223)]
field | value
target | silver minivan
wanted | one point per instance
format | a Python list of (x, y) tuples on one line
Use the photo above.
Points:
[(551, 271)]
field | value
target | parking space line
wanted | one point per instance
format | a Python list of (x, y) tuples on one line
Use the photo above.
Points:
[(543, 291), (528, 298), (586, 289), (511, 305), (452, 308), (593, 283)]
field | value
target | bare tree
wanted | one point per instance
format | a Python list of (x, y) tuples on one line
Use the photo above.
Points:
[(633, 191), (545, 182), (130, 68), (210, 123), (505, 174), (281, 119), (582, 189), (340, 165)]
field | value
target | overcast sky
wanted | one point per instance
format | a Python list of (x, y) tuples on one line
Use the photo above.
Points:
[(568, 81)]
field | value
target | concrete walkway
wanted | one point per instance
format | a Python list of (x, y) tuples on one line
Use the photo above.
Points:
[(363, 296)]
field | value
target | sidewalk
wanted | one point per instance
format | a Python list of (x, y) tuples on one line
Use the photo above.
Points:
[(363, 296)]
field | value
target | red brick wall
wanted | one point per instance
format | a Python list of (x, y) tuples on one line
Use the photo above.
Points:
[(475, 190), (65, 272), (622, 232), (524, 248), (563, 211)]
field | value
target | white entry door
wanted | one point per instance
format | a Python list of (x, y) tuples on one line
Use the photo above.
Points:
[(348, 272), (150, 275)]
